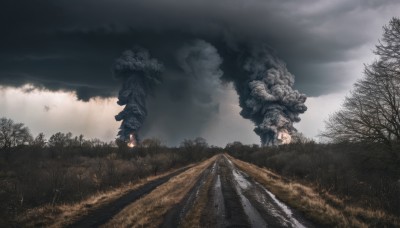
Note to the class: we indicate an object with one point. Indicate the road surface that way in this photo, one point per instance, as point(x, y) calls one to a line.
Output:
point(230, 197)
point(235, 200)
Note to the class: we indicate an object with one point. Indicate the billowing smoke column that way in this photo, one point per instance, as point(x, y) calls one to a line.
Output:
point(267, 96)
point(262, 81)
point(139, 74)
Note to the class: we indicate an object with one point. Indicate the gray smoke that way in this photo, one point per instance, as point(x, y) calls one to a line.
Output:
point(139, 74)
point(267, 96)
point(189, 98)
point(261, 79)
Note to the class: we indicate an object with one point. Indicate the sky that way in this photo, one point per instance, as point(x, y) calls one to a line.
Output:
point(56, 60)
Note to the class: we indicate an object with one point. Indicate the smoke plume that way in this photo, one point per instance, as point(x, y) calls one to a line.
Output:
point(261, 79)
point(267, 96)
point(139, 74)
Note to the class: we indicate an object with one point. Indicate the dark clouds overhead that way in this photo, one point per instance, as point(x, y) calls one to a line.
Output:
point(70, 45)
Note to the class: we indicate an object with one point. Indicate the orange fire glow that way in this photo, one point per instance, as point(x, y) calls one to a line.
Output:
point(284, 137)
point(132, 141)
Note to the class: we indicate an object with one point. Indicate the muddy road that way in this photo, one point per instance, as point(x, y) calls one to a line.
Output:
point(234, 199)
point(222, 196)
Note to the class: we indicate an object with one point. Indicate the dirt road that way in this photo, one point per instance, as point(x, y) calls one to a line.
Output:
point(223, 196)
point(235, 200)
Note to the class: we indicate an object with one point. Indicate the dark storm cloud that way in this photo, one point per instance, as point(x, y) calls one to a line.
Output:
point(189, 96)
point(70, 44)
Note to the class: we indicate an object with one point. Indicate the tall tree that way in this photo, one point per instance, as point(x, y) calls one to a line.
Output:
point(372, 110)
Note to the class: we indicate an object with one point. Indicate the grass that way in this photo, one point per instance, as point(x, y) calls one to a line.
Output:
point(62, 215)
point(150, 210)
point(323, 208)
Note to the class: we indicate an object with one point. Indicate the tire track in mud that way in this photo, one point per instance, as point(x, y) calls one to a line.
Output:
point(215, 216)
point(101, 215)
point(235, 215)
point(176, 214)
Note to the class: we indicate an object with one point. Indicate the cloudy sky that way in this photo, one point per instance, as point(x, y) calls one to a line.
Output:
point(56, 59)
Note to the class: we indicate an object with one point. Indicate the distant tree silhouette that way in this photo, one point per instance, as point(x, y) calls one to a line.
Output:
point(40, 140)
point(57, 140)
point(13, 134)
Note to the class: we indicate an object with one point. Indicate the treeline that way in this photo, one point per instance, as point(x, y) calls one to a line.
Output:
point(364, 174)
point(67, 168)
point(17, 134)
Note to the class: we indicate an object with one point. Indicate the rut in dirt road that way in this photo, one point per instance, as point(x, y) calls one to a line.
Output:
point(175, 215)
point(235, 200)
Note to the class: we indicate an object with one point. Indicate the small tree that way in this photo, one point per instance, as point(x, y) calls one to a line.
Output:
point(40, 140)
point(372, 110)
point(13, 134)
point(59, 140)
point(300, 138)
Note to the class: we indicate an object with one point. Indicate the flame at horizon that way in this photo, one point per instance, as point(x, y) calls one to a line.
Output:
point(132, 141)
point(284, 137)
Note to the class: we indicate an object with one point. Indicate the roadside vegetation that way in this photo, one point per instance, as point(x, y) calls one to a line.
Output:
point(320, 206)
point(349, 183)
point(38, 176)
point(359, 174)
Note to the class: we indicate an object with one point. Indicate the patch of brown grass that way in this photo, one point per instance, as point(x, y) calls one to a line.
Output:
point(62, 215)
point(150, 210)
point(324, 208)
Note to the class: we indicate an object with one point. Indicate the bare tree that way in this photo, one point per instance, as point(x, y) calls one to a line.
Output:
point(13, 134)
point(61, 140)
point(372, 110)
point(39, 141)
point(300, 138)
point(389, 47)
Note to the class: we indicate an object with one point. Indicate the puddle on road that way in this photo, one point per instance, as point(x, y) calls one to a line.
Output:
point(230, 162)
point(241, 185)
point(275, 207)
point(213, 167)
point(284, 208)
point(241, 180)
